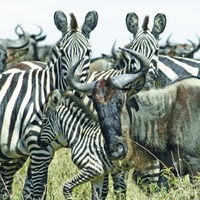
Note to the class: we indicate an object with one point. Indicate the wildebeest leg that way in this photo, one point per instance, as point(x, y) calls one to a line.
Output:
point(120, 184)
point(193, 165)
point(7, 171)
point(84, 175)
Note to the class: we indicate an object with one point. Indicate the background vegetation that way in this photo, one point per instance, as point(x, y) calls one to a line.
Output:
point(62, 169)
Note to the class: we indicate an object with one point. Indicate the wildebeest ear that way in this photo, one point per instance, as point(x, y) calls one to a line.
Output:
point(132, 23)
point(159, 24)
point(91, 20)
point(60, 21)
point(133, 103)
point(136, 86)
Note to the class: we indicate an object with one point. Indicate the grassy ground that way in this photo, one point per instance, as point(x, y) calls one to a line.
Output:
point(62, 169)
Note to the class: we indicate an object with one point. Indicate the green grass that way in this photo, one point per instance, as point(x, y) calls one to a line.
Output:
point(62, 169)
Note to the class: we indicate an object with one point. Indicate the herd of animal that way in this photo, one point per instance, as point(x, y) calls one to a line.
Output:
point(136, 108)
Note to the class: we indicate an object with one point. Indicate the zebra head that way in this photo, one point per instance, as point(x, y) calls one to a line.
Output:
point(74, 43)
point(102, 91)
point(144, 40)
point(51, 127)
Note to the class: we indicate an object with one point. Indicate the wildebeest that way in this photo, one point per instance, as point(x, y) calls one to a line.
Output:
point(165, 121)
point(35, 52)
point(12, 50)
point(181, 50)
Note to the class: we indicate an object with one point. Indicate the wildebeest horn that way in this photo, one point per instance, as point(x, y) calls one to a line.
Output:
point(117, 81)
point(34, 36)
point(121, 81)
point(113, 51)
point(19, 43)
point(81, 87)
point(195, 47)
point(168, 43)
point(144, 62)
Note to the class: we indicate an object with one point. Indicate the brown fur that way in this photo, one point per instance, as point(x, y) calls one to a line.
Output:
point(103, 96)
point(137, 157)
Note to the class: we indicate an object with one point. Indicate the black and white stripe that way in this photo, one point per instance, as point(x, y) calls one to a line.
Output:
point(23, 96)
point(69, 122)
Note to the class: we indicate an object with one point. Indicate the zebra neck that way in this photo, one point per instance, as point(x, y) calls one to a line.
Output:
point(81, 102)
point(55, 72)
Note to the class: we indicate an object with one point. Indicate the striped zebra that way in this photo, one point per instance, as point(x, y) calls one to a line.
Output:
point(70, 122)
point(23, 97)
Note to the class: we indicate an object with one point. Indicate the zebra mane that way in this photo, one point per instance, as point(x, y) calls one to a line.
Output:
point(74, 24)
point(145, 23)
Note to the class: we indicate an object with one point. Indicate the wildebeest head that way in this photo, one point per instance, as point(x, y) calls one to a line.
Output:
point(109, 98)
point(12, 50)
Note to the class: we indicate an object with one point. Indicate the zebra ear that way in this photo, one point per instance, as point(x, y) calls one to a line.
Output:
point(60, 21)
point(159, 24)
point(91, 20)
point(55, 99)
point(132, 23)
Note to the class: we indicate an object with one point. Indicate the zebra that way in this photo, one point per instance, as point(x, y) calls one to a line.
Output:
point(71, 123)
point(23, 98)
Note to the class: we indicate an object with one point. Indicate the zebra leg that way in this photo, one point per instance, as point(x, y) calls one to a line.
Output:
point(120, 184)
point(39, 164)
point(28, 186)
point(7, 171)
point(145, 178)
point(163, 181)
point(85, 174)
point(100, 188)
